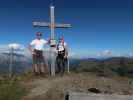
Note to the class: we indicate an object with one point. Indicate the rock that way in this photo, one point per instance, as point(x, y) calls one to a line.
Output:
point(94, 90)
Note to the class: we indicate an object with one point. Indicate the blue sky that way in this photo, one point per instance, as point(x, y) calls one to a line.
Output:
point(98, 25)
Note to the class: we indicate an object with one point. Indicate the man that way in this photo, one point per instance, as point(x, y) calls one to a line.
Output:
point(61, 59)
point(36, 47)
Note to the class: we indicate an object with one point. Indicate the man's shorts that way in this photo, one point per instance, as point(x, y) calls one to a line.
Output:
point(38, 57)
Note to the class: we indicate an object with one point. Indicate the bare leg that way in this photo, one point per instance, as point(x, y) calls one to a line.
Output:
point(36, 68)
point(42, 68)
point(39, 68)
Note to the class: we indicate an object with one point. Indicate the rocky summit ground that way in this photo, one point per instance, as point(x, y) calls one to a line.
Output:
point(55, 88)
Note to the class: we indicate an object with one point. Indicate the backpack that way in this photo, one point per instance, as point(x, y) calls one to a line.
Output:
point(61, 52)
point(62, 45)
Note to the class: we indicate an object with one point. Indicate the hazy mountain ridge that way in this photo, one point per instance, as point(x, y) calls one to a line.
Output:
point(111, 66)
point(20, 62)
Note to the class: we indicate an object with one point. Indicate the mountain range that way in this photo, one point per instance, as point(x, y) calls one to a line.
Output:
point(23, 62)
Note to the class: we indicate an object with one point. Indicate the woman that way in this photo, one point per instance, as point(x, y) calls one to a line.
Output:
point(62, 55)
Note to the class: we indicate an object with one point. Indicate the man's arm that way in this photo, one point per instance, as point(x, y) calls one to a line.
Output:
point(46, 42)
point(30, 46)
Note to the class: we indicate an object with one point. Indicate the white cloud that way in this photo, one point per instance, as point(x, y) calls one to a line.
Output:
point(105, 53)
point(5, 48)
point(15, 46)
point(130, 54)
point(71, 54)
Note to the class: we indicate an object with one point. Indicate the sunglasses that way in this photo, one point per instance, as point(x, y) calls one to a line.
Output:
point(39, 35)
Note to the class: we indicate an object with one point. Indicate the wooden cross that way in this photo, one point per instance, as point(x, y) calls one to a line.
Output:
point(52, 25)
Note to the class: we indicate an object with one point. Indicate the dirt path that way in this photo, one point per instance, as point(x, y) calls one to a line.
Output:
point(55, 88)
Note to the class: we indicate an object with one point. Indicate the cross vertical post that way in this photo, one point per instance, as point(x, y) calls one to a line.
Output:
point(52, 26)
point(52, 41)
